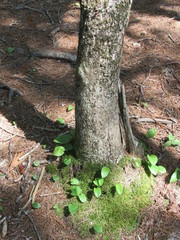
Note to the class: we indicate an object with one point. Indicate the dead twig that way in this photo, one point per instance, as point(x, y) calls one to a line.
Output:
point(31, 151)
point(172, 39)
point(28, 201)
point(4, 228)
point(2, 220)
point(156, 120)
point(50, 194)
point(47, 129)
point(37, 185)
point(33, 223)
point(20, 7)
point(15, 134)
point(141, 85)
point(55, 54)
point(49, 15)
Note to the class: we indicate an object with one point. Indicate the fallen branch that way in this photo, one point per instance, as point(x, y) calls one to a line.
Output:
point(49, 15)
point(34, 225)
point(55, 54)
point(37, 185)
point(20, 7)
point(156, 120)
point(15, 134)
point(48, 129)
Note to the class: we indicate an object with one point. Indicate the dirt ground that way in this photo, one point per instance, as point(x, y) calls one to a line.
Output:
point(35, 92)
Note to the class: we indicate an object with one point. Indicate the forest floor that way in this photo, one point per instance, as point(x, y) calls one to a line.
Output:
point(35, 92)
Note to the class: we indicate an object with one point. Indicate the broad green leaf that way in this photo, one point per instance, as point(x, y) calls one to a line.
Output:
point(168, 143)
point(36, 205)
point(98, 182)
point(97, 192)
point(176, 142)
point(97, 229)
point(36, 163)
point(104, 172)
point(1, 208)
point(74, 181)
point(175, 176)
point(151, 133)
point(70, 107)
point(55, 206)
point(152, 159)
point(10, 49)
point(153, 169)
point(44, 146)
point(76, 191)
point(67, 160)
point(68, 147)
point(82, 197)
point(161, 169)
point(171, 137)
point(61, 121)
point(119, 188)
point(55, 178)
point(58, 151)
point(34, 177)
point(73, 208)
point(2, 175)
point(63, 139)
point(73, 132)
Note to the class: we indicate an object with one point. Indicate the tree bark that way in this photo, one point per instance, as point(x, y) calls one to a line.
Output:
point(100, 132)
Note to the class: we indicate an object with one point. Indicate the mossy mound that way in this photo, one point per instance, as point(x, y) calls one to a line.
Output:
point(114, 213)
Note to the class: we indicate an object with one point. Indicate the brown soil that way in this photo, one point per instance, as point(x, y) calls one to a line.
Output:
point(43, 88)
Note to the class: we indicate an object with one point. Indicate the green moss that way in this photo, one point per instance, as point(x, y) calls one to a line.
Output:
point(52, 168)
point(113, 212)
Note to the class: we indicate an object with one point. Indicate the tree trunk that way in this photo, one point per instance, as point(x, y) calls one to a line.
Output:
point(100, 131)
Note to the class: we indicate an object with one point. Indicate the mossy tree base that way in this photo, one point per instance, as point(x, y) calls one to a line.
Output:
point(114, 213)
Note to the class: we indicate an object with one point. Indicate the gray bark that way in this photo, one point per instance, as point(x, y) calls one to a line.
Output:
point(100, 133)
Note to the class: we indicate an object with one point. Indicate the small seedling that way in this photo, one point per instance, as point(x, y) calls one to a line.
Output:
point(36, 205)
point(55, 207)
point(58, 151)
point(10, 49)
point(154, 169)
point(74, 181)
point(68, 147)
point(44, 146)
point(2, 175)
point(172, 141)
point(97, 192)
point(175, 176)
point(151, 133)
point(73, 208)
point(77, 5)
point(104, 172)
point(119, 188)
point(82, 197)
point(34, 177)
point(76, 191)
point(67, 160)
point(61, 121)
point(97, 229)
point(15, 124)
point(36, 163)
point(70, 107)
point(98, 182)
point(55, 178)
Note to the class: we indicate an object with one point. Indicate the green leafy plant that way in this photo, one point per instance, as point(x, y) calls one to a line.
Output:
point(36, 163)
point(67, 160)
point(61, 121)
point(10, 49)
point(55, 207)
point(63, 138)
point(55, 178)
point(73, 208)
point(104, 172)
point(2, 174)
point(34, 177)
point(151, 133)
point(97, 229)
point(154, 169)
point(74, 181)
point(98, 182)
point(70, 107)
point(36, 205)
point(171, 141)
point(82, 197)
point(1, 208)
point(58, 151)
point(76, 191)
point(97, 192)
point(175, 176)
point(119, 188)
